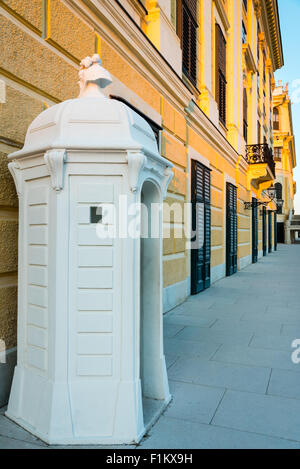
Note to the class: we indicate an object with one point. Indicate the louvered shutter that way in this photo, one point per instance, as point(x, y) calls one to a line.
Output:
point(217, 35)
point(221, 73)
point(201, 225)
point(275, 232)
point(270, 230)
point(187, 29)
point(207, 240)
point(264, 221)
point(254, 231)
point(231, 229)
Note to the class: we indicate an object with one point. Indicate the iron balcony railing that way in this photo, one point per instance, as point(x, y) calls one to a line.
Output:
point(260, 153)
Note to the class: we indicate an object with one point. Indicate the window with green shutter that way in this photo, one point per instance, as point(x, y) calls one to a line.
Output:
point(187, 28)
point(221, 74)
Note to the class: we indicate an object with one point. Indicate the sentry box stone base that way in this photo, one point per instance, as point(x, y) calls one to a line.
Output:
point(91, 367)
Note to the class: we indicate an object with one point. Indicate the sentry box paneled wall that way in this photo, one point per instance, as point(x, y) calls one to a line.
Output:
point(91, 366)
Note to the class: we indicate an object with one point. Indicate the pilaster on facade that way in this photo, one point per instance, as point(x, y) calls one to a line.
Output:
point(235, 77)
point(206, 82)
point(162, 32)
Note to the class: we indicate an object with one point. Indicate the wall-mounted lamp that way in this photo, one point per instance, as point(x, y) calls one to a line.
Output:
point(279, 203)
point(271, 193)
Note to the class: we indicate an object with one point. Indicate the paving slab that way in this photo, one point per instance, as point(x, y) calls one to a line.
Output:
point(246, 325)
point(193, 402)
point(255, 357)
point(275, 342)
point(290, 309)
point(172, 329)
point(11, 443)
point(219, 337)
point(278, 317)
point(224, 375)
point(266, 415)
point(186, 348)
point(184, 320)
point(170, 433)
point(291, 330)
point(285, 383)
point(9, 429)
point(170, 360)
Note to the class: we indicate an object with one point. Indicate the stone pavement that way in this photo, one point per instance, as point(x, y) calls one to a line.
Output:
point(228, 351)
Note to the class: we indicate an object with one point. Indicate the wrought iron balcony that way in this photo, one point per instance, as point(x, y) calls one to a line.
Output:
point(259, 154)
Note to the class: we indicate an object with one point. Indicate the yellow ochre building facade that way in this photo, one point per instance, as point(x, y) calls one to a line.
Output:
point(285, 158)
point(202, 74)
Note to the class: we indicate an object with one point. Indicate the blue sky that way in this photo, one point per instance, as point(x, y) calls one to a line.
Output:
point(289, 12)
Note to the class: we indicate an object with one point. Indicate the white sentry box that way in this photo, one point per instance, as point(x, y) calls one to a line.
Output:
point(91, 367)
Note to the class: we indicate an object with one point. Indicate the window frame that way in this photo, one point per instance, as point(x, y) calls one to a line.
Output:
point(278, 153)
point(187, 14)
point(276, 119)
point(220, 73)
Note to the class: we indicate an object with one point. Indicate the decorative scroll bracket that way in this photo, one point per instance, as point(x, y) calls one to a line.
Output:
point(136, 163)
point(55, 160)
point(168, 176)
point(15, 171)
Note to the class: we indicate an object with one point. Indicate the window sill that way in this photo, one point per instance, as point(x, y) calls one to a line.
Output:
point(223, 126)
point(193, 89)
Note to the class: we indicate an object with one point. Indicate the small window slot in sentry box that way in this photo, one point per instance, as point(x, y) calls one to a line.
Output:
point(95, 214)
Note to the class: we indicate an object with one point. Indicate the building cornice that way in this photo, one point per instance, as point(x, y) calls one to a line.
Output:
point(211, 135)
point(270, 14)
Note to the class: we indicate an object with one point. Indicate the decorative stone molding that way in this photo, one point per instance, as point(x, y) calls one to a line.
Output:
point(162, 33)
point(55, 160)
point(15, 170)
point(136, 163)
point(168, 176)
point(263, 187)
point(262, 39)
point(259, 176)
point(269, 65)
point(249, 59)
point(257, 8)
point(223, 15)
point(139, 163)
point(93, 77)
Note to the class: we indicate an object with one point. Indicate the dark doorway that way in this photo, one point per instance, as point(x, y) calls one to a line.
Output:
point(270, 230)
point(152, 385)
point(264, 230)
point(275, 231)
point(201, 226)
point(280, 232)
point(254, 231)
point(231, 229)
point(279, 192)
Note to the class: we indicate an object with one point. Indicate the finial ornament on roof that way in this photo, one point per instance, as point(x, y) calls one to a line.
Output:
point(93, 77)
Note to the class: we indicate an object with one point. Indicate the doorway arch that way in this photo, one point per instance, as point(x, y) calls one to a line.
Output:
point(152, 362)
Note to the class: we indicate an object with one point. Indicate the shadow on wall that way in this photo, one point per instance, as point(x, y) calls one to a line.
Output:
point(8, 361)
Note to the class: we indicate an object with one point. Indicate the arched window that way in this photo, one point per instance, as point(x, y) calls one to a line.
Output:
point(276, 119)
point(278, 187)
